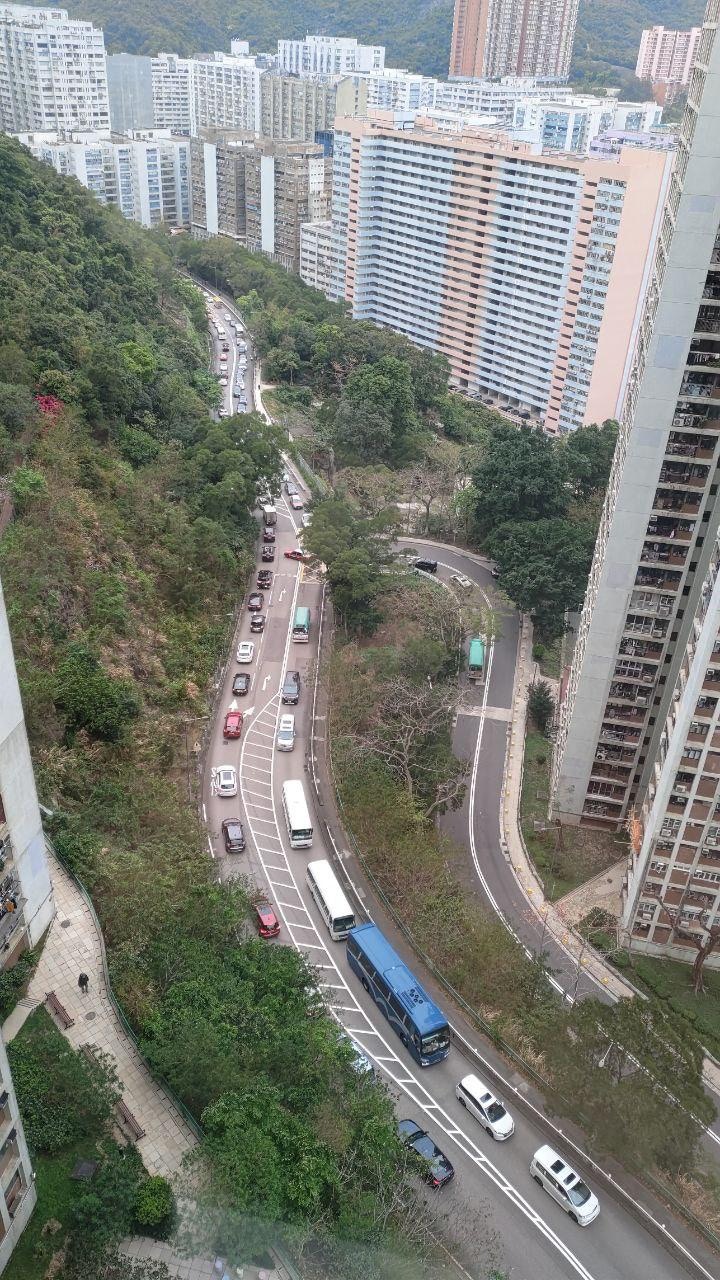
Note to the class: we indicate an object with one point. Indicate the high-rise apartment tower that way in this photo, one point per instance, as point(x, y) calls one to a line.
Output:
point(52, 71)
point(513, 38)
point(639, 736)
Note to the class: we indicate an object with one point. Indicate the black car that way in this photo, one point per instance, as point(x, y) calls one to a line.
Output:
point(257, 622)
point(494, 572)
point(264, 579)
point(256, 601)
point(291, 688)
point(233, 835)
point(241, 683)
point(439, 1170)
point(269, 533)
point(427, 566)
point(267, 553)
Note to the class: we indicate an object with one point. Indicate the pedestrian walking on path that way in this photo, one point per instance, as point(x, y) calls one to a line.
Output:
point(84, 983)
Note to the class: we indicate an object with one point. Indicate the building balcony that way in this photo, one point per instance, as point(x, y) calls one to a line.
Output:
point(9, 1156)
point(637, 672)
point(700, 388)
point(15, 1193)
point(611, 772)
point(610, 733)
point(712, 291)
point(657, 580)
point(614, 755)
point(706, 788)
point(701, 447)
point(676, 806)
point(679, 503)
point(670, 530)
point(634, 694)
point(627, 715)
point(674, 473)
point(654, 553)
point(645, 649)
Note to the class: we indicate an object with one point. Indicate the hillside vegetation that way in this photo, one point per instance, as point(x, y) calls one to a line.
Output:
point(416, 33)
point(130, 545)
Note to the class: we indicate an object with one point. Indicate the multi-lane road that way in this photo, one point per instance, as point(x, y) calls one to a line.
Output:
point(493, 1212)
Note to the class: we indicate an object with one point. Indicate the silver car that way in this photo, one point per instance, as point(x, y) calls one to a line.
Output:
point(285, 737)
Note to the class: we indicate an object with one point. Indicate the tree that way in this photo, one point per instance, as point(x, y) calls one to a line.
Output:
point(541, 704)
point(361, 433)
point(356, 553)
point(17, 408)
point(521, 477)
point(26, 486)
point(588, 454)
point(705, 942)
point(544, 568)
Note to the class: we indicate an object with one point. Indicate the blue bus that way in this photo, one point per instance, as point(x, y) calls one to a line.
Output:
point(419, 1023)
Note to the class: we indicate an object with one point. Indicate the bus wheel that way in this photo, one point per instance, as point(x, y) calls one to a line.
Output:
point(365, 983)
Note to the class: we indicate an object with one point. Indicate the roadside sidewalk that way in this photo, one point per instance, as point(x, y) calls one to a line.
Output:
point(73, 946)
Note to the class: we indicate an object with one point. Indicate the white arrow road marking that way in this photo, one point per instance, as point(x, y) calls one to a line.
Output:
point(265, 683)
point(233, 705)
point(282, 593)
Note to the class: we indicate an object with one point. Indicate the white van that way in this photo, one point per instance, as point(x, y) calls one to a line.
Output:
point(285, 737)
point(565, 1186)
point(476, 1098)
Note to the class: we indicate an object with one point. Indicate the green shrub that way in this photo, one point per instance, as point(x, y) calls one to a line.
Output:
point(63, 1096)
point(12, 981)
point(90, 698)
point(26, 485)
point(155, 1207)
point(106, 1212)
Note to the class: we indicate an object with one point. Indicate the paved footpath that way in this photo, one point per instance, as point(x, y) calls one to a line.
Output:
point(72, 947)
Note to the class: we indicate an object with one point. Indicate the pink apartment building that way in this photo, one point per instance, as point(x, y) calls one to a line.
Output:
point(527, 270)
point(665, 57)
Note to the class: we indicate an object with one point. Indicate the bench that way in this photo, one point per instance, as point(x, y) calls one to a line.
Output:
point(128, 1121)
point(55, 1006)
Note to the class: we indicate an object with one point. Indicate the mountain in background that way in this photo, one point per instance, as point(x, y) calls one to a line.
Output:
point(416, 33)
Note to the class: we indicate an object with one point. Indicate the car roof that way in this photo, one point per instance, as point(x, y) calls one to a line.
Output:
point(227, 769)
point(287, 718)
point(478, 1088)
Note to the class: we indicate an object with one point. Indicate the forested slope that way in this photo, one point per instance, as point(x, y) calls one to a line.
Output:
point(416, 33)
point(128, 549)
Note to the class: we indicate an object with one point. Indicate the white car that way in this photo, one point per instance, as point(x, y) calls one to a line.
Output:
point(306, 519)
point(473, 1094)
point(296, 502)
point(245, 651)
point(226, 780)
point(223, 382)
point(285, 737)
point(227, 316)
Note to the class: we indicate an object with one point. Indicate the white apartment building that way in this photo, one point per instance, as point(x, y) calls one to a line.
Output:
point(329, 56)
point(225, 93)
point(507, 261)
point(52, 71)
point(573, 123)
point(401, 90)
point(316, 254)
point(146, 175)
point(666, 57)
point(17, 1186)
point(496, 98)
point(172, 93)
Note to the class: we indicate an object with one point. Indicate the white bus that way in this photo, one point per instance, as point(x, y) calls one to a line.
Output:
point(331, 901)
point(297, 815)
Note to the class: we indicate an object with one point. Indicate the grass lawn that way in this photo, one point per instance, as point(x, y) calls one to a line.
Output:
point(670, 980)
point(582, 852)
point(549, 659)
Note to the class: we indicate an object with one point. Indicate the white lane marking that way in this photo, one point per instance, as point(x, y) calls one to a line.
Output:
point(265, 683)
point(396, 1070)
point(204, 813)
point(210, 846)
point(282, 593)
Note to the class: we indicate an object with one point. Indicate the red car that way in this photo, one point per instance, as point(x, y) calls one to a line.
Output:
point(267, 922)
point(297, 554)
point(233, 724)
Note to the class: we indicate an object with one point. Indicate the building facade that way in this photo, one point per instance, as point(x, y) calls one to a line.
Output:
point(24, 881)
point(146, 174)
point(493, 38)
point(497, 98)
point(130, 88)
point(571, 125)
point(225, 93)
point(316, 254)
point(172, 93)
point(52, 71)
point(639, 737)
point(328, 56)
point(285, 186)
point(401, 90)
point(665, 57)
point(506, 261)
point(294, 109)
point(217, 188)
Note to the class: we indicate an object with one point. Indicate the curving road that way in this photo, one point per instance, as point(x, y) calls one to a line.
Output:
point(493, 1212)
